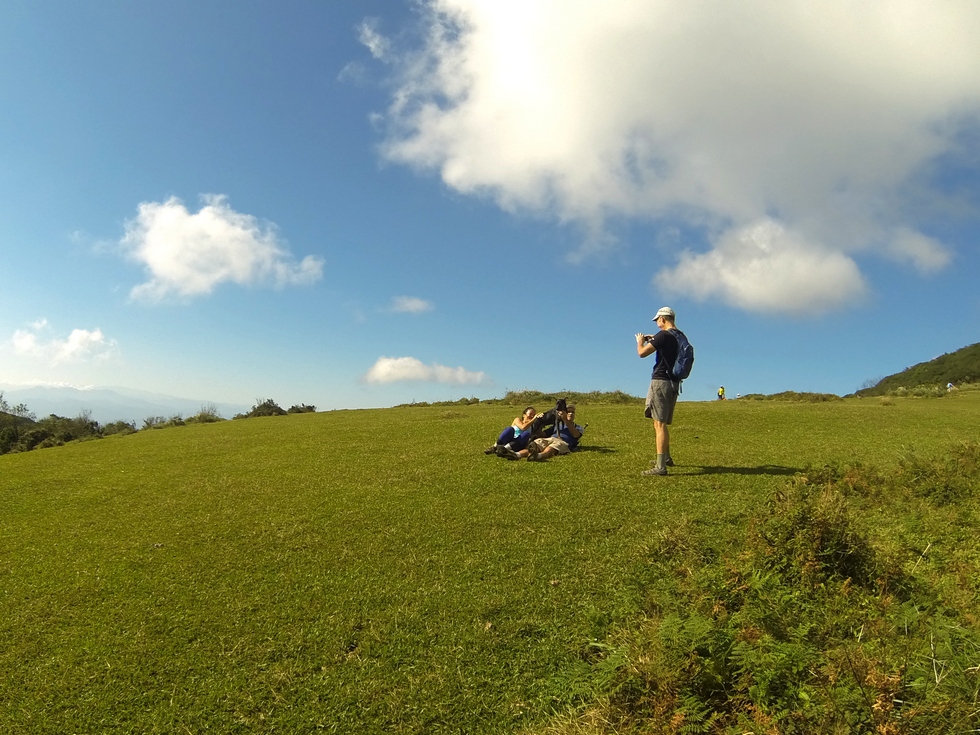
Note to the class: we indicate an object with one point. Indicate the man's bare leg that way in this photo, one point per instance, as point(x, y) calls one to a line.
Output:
point(663, 443)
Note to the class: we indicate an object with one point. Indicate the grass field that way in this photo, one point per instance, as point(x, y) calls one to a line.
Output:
point(373, 572)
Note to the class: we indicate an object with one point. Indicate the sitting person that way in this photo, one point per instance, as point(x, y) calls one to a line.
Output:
point(529, 425)
point(512, 434)
point(564, 438)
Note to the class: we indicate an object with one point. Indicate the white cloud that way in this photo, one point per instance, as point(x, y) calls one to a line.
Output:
point(764, 268)
point(924, 253)
point(190, 254)
point(81, 345)
point(410, 305)
point(812, 115)
point(25, 343)
point(406, 369)
point(378, 45)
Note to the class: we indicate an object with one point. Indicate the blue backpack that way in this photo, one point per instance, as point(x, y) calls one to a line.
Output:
point(685, 356)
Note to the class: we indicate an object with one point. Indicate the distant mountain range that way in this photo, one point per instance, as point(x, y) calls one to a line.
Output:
point(962, 366)
point(109, 404)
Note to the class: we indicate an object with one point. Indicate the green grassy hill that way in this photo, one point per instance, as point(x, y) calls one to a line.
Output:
point(960, 367)
point(374, 572)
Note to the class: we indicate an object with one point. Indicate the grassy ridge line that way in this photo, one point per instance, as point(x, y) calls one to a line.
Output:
point(365, 571)
point(959, 367)
point(539, 399)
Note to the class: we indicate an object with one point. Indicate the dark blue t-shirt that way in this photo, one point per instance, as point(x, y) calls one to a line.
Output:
point(666, 346)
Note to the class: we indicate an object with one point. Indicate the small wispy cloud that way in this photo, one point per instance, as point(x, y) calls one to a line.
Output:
point(410, 305)
point(190, 254)
point(81, 345)
point(410, 369)
point(925, 254)
point(378, 45)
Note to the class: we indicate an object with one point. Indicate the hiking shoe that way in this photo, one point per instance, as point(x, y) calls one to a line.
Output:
point(655, 472)
point(492, 449)
point(669, 462)
point(536, 458)
point(507, 453)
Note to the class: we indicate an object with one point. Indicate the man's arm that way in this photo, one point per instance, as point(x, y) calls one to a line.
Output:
point(644, 348)
point(572, 428)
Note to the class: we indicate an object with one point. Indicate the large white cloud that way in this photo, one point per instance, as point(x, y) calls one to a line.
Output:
point(81, 345)
point(190, 254)
point(410, 369)
point(811, 116)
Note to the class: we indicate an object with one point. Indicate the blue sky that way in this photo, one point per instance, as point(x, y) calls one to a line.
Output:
point(358, 204)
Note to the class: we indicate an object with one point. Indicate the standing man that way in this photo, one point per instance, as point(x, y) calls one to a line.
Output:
point(662, 395)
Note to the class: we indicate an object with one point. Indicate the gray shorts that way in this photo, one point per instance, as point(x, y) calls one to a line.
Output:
point(661, 399)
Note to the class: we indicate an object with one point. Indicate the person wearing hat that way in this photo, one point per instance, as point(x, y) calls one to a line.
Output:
point(662, 395)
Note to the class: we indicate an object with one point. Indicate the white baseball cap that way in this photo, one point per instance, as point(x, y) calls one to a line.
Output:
point(665, 311)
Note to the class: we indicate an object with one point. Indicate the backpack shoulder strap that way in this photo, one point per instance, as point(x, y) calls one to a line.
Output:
point(678, 335)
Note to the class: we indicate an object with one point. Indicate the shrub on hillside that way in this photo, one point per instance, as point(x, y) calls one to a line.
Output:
point(207, 415)
point(919, 391)
point(546, 400)
point(946, 479)
point(810, 626)
point(22, 431)
point(8, 438)
point(66, 430)
point(26, 433)
point(13, 421)
point(34, 437)
point(119, 427)
point(159, 422)
point(809, 539)
point(266, 407)
point(792, 396)
point(301, 408)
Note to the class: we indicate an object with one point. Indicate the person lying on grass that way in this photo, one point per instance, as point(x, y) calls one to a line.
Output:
point(563, 439)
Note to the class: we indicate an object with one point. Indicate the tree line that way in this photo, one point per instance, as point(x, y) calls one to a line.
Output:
point(21, 430)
